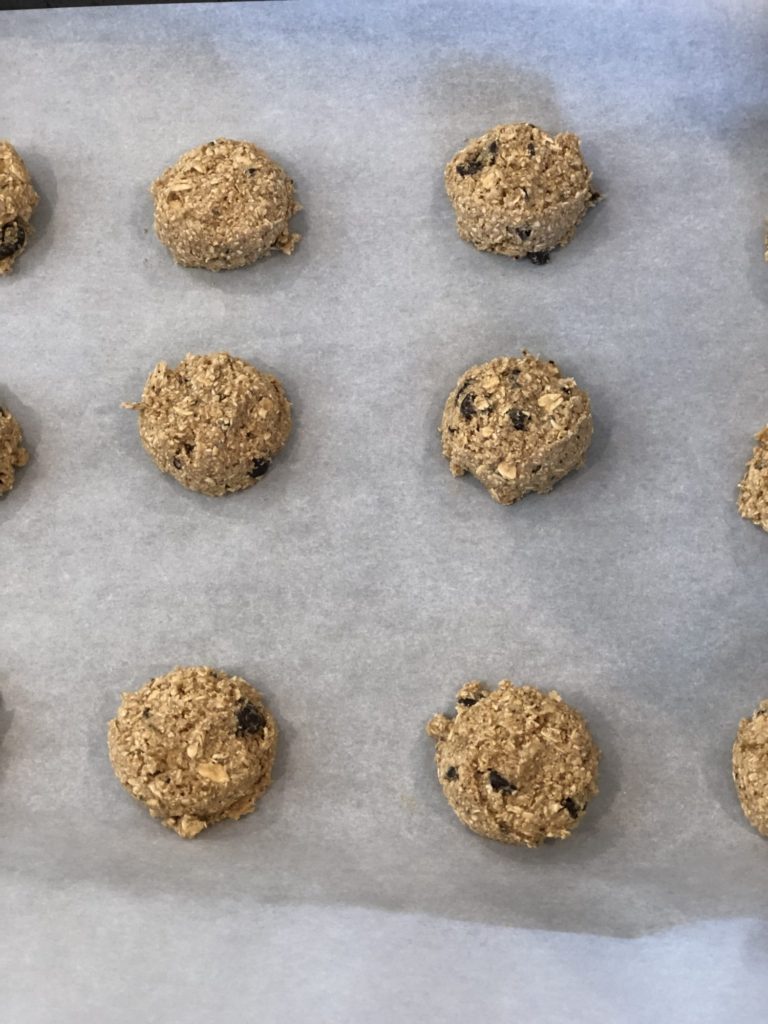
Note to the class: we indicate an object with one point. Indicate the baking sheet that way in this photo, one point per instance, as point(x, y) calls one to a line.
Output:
point(361, 585)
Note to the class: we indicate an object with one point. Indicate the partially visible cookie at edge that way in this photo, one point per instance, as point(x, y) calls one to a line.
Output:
point(753, 489)
point(750, 767)
point(516, 764)
point(224, 205)
point(518, 191)
point(214, 422)
point(516, 424)
point(195, 746)
point(18, 200)
point(13, 455)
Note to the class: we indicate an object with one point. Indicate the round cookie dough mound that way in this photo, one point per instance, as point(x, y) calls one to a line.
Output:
point(224, 205)
point(753, 489)
point(517, 425)
point(18, 199)
point(515, 764)
point(12, 453)
point(750, 767)
point(518, 191)
point(196, 746)
point(214, 422)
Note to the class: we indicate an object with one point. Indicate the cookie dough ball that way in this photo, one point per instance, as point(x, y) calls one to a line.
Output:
point(12, 453)
point(518, 191)
point(224, 205)
point(517, 425)
point(196, 746)
point(214, 422)
point(515, 764)
point(17, 201)
point(750, 767)
point(753, 489)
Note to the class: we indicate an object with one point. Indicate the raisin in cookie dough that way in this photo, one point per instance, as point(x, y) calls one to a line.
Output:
point(517, 425)
point(515, 764)
point(18, 200)
point(12, 452)
point(750, 767)
point(214, 422)
point(753, 489)
point(224, 205)
point(518, 191)
point(196, 746)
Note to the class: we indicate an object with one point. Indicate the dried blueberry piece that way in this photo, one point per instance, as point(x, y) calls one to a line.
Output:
point(493, 147)
point(594, 197)
point(176, 462)
point(12, 238)
point(524, 233)
point(452, 774)
point(251, 171)
point(145, 713)
point(470, 167)
point(259, 468)
point(531, 149)
point(519, 418)
point(501, 785)
point(539, 258)
point(571, 806)
point(467, 407)
point(188, 448)
point(467, 702)
point(535, 469)
point(249, 719)
point(567, 391)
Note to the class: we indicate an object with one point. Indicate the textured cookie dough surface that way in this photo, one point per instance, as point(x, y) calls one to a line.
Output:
point(224, 205)
point(515, 764)
point(18, 200)
point(196, 746)
point(753, 489)
point(214, 422)
point(750, 767)
point(12, 452)
point(517, 425)
point(518, 191)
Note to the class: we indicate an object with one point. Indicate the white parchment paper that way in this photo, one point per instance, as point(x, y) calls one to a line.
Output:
point(360, 585)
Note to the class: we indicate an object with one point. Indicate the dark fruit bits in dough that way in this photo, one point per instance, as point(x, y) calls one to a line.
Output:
point(259, 468)
point(519, 418)
point(452, 774)
point(538, 258)
point(249, 719)
point(470, 167)
point(12, 239)
point(571, 806)
point(467, 407)
point(524, 233)
point(467, 702)
point(501, 785)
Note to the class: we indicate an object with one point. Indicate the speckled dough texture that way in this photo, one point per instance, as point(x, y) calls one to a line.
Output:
point(518, 191)
point(517, 424)
point(18, 200)
point(753, 489)
point(515, 764)
point(750, 767)
point(196, 746)
point(224, 205)
point(214, 422)
point(12, 453)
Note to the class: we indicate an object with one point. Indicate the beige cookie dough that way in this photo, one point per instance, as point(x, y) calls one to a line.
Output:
point(515, 764)
point(18, 200)
point(753, 489)
point(224, 205)
point(750, 767)
point(196, 746)
point(12, 452)
point(518, 191)
point(214, 422)
point(518, 425)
